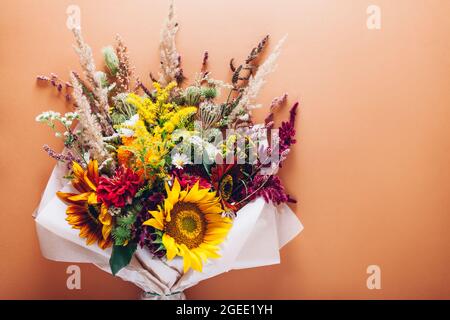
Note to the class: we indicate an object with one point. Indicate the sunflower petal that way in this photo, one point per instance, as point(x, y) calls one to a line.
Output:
point(64, 196)
point(212, 209)
point(186, 258)
point(171, 247)
point(191, 194)
point(215, 218)
point(88, 182)
point(76, 209)
point(93, 171)
point(103, 244)
point(216, 231)
point(106, 231)
point(168, 206)
point(196, 262)
point(220, 225)
point(209, 250)
point(175, 192)
point(92, 199)
point(197, 196)
point(201, 254)
point(158, 215)
point(154, 223)
point(82, 197)
point(77, 170)
point(104, 217)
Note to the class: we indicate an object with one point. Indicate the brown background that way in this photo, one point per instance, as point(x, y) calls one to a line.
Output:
point(371, 169)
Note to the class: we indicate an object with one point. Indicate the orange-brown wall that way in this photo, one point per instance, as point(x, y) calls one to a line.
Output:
point(371, 170)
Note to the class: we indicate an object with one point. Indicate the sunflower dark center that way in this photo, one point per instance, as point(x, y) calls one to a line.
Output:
point(93, 212)
point(226, 187)
point(187, 225)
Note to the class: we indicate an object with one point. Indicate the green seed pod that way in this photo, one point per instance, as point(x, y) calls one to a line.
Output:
point(111, 60)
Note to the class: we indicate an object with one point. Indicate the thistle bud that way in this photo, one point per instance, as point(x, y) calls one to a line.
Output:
point(111, 60)
point(193, 95)
point(209, 92)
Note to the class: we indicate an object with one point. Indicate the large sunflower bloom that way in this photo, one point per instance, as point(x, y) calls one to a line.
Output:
point(192, 224)
point(84, 211)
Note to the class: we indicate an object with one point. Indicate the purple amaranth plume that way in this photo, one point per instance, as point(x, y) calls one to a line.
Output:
point(287, 130)
point(268, 187)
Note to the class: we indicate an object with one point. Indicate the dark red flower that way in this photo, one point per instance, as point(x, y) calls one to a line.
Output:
point(188, 180)
point(119, 190)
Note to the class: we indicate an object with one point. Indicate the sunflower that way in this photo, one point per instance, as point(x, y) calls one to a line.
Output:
point(192, 224)
point(225, 179)
point(84, 211)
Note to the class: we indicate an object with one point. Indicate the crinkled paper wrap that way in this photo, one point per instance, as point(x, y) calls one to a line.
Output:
point(258, 233)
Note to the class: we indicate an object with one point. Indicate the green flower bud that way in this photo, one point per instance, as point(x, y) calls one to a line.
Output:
point(111, 60)
point(209, 92)
point(193, 95)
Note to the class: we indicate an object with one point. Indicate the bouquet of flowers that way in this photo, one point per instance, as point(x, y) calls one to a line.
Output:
point(168, 184)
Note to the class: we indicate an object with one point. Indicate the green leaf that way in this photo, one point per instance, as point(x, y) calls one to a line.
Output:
point(141, 191)
point(121, 256)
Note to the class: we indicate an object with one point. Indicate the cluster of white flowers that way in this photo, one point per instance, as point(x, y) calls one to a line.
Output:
point(51, 118)
point(48, 116)
point(66, 119)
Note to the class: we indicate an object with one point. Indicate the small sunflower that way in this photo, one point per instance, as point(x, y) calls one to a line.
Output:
point(84, 211)
point(192, 224)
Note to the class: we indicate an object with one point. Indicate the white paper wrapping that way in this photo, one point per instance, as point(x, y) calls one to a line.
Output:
point(257, 234)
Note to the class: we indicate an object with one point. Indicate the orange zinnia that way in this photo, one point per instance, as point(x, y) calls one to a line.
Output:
point(84, 211)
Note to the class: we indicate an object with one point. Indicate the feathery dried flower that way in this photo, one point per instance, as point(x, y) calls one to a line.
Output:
point(276, 103)
point(91, 128)
point(125, 70)
point(169, 56)
point(100, 93)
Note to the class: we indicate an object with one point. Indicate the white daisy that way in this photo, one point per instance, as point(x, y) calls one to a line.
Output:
point(179, 160)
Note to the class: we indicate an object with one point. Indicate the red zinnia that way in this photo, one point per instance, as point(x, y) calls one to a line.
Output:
point(119, 190)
